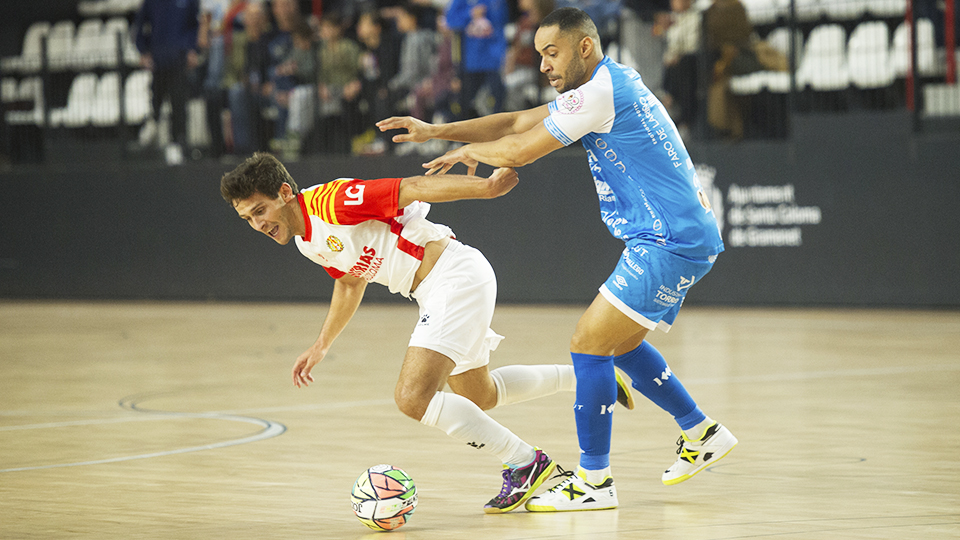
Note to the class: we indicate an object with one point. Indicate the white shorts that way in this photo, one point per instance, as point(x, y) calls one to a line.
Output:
point(456, 301)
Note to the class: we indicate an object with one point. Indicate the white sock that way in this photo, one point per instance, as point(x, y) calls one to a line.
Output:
point(461, 419)
point(594, 477)
point(696, 431)
point(525, 382)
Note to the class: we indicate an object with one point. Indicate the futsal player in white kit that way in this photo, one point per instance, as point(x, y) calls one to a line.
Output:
point(364, 231)
point(650, 197)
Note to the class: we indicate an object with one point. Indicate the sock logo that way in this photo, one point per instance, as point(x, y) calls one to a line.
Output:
point(663, 376)
point(475, 445)
point(604, 409)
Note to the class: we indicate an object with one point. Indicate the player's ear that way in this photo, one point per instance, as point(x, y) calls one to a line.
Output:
point(586, 47)
point(286, 193)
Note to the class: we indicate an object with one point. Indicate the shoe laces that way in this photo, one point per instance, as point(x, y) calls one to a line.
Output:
point(680, 442)
point(566, 475)
point(507, 488)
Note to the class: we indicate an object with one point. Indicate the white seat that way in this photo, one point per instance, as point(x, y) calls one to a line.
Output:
point(824, 64)
point(60, 44)
point(926, 51)
point(136, 96)
point(108, 43)
point(29, 59)
point(8, 90)
point(761, 11)
point(941, 100)
point(106, 104)
point(839, 10)
point(779, 39)
point(749, 84)
point(868, 55)
point(80, 100)
point(887, 8)
point(86, 45)
point(777, 82)
point(809, 10)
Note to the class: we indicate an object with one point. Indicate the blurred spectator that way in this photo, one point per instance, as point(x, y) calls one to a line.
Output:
point(483, 47)
point(680, 64)
point(643, 27)
point(286, 15)
point(434, 97)
point(295, 108)
point(339, 86)
point(417, 53)
point(522, 76)
point(211, 45)
point(245, 78)
point(379, 61)
point(165, 33)
point(728, 41)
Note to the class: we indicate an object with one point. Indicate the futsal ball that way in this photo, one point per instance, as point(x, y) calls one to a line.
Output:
point(384, 497)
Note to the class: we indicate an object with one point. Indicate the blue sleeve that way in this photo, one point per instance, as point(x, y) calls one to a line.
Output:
point(458, 15)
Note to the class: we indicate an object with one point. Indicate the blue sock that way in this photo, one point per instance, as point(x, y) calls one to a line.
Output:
point(596, 397)
point(652, 378)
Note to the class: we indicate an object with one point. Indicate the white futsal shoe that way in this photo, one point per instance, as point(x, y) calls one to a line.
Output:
point(695, 456)
point(575, 493)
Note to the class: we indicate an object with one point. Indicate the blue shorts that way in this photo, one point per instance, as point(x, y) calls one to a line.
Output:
point(649, 284)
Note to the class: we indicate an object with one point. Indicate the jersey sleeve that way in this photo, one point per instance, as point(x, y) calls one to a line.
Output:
point(334, 273)
point(351, 201)
point(582, 110)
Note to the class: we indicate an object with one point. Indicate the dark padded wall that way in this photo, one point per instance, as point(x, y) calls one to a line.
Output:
point(858, 211)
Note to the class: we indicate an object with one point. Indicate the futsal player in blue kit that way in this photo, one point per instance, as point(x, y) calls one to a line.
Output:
point(651, 198)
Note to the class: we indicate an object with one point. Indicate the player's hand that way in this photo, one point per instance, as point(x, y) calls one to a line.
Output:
point(304, 365)
point(418, 131)
point(505, 179)
point(443, 163)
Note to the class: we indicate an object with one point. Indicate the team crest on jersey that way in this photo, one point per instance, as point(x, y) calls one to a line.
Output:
point(571, 102)
point(334, 244)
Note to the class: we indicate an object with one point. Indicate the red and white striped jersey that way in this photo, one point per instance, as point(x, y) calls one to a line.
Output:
point(354, 227)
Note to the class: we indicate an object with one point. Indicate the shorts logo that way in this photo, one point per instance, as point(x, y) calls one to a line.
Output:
point(620, 282)
point(685, 283)
point(571, 102)
point(334, 244)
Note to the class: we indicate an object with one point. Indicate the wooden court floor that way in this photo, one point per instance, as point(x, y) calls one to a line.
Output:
point(179, 420)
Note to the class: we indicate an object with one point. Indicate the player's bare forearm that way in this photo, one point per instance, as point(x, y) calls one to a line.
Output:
point(510, 151)
point(347, 295)
point(454, 187)
point(483, 129)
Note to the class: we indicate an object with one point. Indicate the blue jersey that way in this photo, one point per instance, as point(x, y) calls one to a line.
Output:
point(648, 188)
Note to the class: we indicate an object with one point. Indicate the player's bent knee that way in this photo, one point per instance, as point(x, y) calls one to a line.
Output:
point(412, 403)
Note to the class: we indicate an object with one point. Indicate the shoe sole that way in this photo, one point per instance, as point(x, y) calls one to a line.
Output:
point(535, 508)
point(625, 388)
point(686, 477)
point(533, 487)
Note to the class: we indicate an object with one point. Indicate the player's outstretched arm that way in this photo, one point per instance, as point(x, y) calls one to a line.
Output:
point(347, 295)
point(511, 151)
point(454, 187)
point(485, 128)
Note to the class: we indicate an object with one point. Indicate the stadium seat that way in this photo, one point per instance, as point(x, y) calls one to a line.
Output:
point(809, 10)
point(779, 39)
point(106, 104)
point(824, 64)
point(29, 59)
point(761, 11)
point(80, 100)
point(840, 10)
point(136, 96)
point(86, 52)
point(926, 51)
point(60, 43)
point(941, 100)
point(887, 8)
point(8, 89)
point(114, 26)
point(868, 55)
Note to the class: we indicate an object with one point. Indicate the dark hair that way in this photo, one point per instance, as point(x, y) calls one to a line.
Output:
point(260, 173)
point(571, 20)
